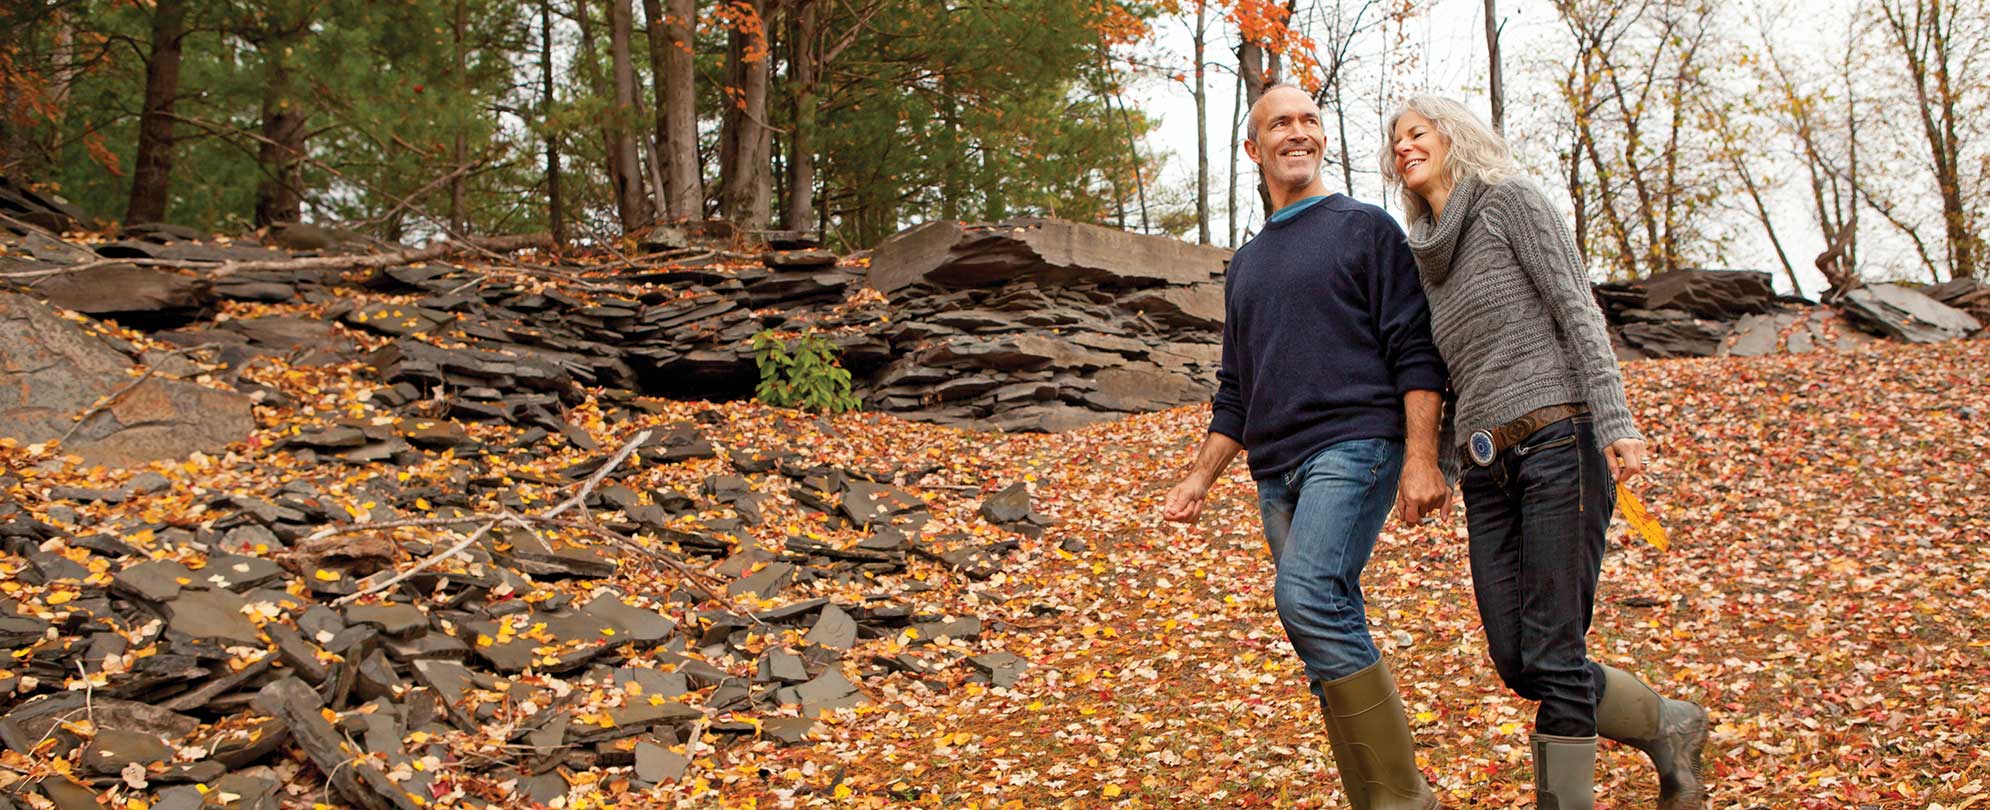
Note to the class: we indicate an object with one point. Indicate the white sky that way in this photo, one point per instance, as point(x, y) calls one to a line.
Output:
point(1450, 36)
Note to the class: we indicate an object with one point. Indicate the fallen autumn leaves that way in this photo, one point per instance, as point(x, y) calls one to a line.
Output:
point(1824, 596)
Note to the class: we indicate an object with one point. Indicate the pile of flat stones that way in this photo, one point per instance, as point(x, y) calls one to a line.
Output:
point(202, 657)
point(1036, 325)
point(1709, 313)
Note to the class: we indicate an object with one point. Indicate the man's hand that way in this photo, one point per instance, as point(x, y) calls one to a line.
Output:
point(1422, 492)
point(1627, 459)
point(1184, 503)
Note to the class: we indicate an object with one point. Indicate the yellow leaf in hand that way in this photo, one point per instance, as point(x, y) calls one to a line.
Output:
point(1640, 518)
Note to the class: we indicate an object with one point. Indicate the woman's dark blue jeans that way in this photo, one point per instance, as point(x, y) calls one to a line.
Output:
point(1538, 517)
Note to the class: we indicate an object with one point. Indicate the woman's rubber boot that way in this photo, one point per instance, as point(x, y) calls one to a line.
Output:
point(1564, 772)
point(1671, 732)
point(1375, 750)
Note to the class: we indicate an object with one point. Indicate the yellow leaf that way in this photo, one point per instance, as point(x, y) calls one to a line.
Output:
point(843, 791)
point(326, 576)
point(60, 597)
point(1111, 792)
point(1640, 519)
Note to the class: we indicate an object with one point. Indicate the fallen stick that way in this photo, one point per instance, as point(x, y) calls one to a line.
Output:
point(489, 523)
point(418, 567)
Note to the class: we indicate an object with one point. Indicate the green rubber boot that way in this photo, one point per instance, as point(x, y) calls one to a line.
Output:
point(1671, 732)
point(1375, 750)
point(1564, 772)
point(1350, 780)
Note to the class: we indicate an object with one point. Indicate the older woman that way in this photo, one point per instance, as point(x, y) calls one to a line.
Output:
point(1541, 407)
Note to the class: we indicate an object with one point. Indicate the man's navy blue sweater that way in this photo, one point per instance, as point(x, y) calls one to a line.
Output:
point(1324, 330)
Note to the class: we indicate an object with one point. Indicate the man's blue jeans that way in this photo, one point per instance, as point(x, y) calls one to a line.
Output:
point(1322, 518)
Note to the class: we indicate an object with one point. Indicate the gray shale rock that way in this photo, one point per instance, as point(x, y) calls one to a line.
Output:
point(51, 371)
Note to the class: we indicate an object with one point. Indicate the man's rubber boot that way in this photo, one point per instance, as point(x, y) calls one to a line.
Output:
point(1671, 732)
point(1350, 780)
point(1564, 772)
point(1365, 714)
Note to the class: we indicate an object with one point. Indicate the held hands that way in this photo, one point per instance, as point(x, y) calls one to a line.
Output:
point(1422, 493)
point(1627, 459)
point(1184, 502)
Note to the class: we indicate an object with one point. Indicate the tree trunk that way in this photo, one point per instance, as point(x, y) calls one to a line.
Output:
point(659, 40)
point(678, 107)
point(280, 194)
point(804, 54)
point(556, 214)
point(1250, 63)
point(1495, 87)
point(625, 167)
point(459, 148)
point(1346, 158)
point(1236, 127)
point(744, 156)
point(1201, 131)
point(152, 166)
point(1921, 33)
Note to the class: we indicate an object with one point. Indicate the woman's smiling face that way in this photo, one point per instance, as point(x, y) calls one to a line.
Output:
point(1420, 152)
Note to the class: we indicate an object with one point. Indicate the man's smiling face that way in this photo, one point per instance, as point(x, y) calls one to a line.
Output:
point(1290, 140)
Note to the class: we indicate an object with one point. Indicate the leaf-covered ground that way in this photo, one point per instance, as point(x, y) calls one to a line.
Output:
point(1827, 597)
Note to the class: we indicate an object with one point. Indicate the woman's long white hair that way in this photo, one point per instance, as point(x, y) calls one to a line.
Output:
point(1475, 151)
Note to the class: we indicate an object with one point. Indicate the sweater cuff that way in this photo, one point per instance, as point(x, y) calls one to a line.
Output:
point(1228, 424)
point(1422, 376)
point(1613, 422)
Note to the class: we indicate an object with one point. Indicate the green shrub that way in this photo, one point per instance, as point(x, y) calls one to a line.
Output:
point(805, 375)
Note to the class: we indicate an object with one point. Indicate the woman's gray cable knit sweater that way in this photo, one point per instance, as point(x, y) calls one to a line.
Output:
point(1512, 311)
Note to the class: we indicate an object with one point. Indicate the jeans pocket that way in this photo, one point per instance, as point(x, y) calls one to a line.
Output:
point(1546, 443)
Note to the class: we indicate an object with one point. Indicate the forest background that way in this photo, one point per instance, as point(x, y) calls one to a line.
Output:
point(1825, 141)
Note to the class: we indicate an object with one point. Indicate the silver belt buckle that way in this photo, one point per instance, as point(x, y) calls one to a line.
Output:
point(1481, 447)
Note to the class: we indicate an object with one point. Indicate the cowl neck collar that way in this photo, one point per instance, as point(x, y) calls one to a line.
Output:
point(1435, 243)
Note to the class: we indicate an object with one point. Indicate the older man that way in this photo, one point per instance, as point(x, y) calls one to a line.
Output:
point(1331, 379)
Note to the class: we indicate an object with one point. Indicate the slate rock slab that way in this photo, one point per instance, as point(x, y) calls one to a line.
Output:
point(125, 290)
point(1902, 313)
point(51, 371)
point(1010, 505)
point(354, 780)
point(631, 622)
point(1676, 337)
point(1001, 669)
point(788, 730)
point(656, 764)
point(212, 616)
point(945, 253)
point(833, 629)
point(1721, 295)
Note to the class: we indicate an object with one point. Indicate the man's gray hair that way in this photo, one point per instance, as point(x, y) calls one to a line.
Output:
point(1251, 117)
point(1475, 150)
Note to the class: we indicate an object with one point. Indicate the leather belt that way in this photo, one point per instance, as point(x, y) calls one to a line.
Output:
point(1485, 445)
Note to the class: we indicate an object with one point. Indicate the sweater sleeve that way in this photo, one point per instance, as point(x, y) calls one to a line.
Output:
point(1401, 314)
point(1534, 231)
point(1227, 412)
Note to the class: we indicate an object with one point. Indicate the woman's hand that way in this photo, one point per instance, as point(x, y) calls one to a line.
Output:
point(1627, 459)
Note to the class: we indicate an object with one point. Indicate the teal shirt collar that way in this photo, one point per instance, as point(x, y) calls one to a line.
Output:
point(1292, 209)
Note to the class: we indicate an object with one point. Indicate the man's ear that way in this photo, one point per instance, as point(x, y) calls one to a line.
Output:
point(1251, 149)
